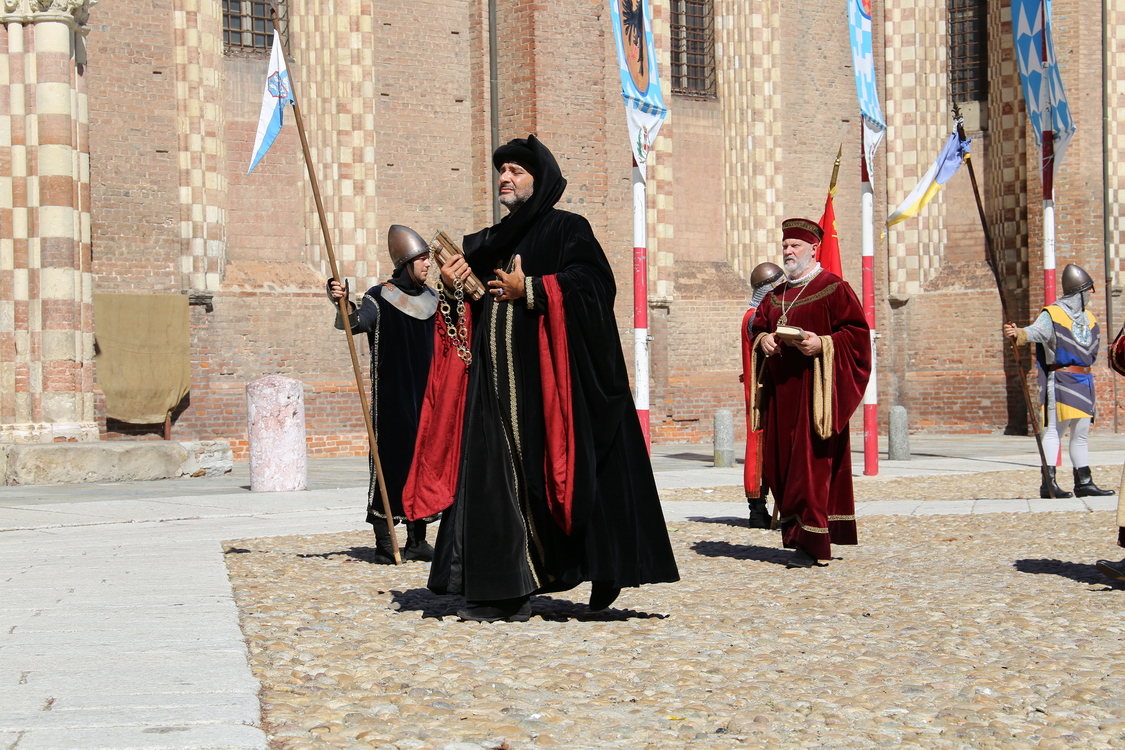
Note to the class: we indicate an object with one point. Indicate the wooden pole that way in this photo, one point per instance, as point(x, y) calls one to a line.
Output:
point(994, 265)
point(343, 302)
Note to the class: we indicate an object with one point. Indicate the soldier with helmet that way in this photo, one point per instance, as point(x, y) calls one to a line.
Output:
point(1066, 337)
point(763, 279)
point(398, 318)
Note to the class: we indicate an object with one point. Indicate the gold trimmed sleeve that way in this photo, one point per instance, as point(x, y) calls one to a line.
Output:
point(823, 367)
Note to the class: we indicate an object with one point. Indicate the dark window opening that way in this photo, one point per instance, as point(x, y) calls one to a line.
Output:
point(248, 27)
point(693, 48)
point(968, 50)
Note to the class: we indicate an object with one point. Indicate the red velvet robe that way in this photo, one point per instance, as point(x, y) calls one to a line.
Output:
point(811, 478)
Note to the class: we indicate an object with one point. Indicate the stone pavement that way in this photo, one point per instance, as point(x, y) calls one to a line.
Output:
point(118, 628)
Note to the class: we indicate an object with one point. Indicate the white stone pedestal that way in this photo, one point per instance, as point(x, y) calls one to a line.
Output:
point(275, 415)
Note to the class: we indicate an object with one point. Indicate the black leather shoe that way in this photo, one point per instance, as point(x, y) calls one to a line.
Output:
point(802, 559)
point(508, 610)
point(759, 516)
point(1084, 484)
point(417, 548)
point(421, 551)
point(1045, 489)
point(384, 555)
point(602, 594)
point(1114, 570)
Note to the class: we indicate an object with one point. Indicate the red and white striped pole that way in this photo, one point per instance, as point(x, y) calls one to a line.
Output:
point(871, 396)
point(640, 297)
point(1048, 173)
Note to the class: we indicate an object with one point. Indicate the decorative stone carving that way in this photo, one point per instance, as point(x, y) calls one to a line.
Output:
point(74, 13)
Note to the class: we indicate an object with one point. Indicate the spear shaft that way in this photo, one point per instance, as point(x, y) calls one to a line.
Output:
point(343, 301)
point(994, 265)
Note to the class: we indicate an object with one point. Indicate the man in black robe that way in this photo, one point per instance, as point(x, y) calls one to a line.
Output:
point(398, 318)
point(555, 485)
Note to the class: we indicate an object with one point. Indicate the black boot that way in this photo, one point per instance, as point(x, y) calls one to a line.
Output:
point(1045, 489)
point(417, 548)
point(1084, 484)
point(384, 553)
point(759, 516)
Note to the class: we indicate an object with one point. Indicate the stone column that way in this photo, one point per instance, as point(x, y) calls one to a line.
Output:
point(46, 303)
point(275, 415)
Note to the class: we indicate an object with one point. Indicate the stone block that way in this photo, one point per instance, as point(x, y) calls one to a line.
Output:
point(207, 458)
point(724, 439)
point(898, 436)
point(73, 463)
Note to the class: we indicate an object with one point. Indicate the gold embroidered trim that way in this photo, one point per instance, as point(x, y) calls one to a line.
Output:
point(810, 529)
point(841, 518)
point(823, 367)
point(529, 291)
point(755, 386)
point(818, 296)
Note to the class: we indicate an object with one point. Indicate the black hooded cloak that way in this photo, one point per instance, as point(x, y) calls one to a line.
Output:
point(499, 538)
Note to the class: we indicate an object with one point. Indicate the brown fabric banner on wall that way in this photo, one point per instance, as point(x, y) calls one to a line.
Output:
point(144, 354)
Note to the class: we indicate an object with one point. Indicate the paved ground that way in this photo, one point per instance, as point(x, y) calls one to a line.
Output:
point(119, 626)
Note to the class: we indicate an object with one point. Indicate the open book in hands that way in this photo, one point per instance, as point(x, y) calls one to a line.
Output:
point(791, 333)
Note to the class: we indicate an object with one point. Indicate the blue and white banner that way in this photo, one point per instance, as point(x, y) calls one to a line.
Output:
point(1047, 108)
point(278, 93)
point(640, 82)
point(863, 60)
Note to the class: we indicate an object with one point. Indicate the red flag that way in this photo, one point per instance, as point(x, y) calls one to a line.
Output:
point(828, 254)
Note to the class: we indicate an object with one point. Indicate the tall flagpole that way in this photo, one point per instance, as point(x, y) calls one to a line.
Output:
point(640, 297)
point(343, 301)
point(994, 266)
point(1048, 171)
point(871, 395)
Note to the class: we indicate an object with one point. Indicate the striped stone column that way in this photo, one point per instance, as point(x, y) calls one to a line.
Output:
point(46, 303)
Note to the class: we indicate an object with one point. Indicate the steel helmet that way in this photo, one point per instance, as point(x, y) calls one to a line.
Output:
point(766, 275)
point(1075, 280)
point(405, 245)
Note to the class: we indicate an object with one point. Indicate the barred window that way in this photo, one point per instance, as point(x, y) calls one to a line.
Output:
point(693, 48)
point(968, 50)
point(247, 26)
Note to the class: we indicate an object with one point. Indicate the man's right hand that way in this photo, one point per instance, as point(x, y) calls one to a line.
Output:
point(336, 289)
point(769, 345)
point(458, 268)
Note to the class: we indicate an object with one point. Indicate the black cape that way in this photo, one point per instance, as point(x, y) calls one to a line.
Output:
point(498, 540)
point(402, 348)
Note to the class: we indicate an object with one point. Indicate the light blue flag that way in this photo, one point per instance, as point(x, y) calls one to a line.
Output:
point(640, 81)
point(863, 60)
point(1047, 108)
point(278, 93)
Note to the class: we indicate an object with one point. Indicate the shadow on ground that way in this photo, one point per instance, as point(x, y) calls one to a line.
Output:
point(742, 552)
point(433, 606)
point(1081, 572)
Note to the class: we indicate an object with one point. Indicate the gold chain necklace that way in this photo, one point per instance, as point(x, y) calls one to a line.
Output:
point(784, 319)
point(456, 331)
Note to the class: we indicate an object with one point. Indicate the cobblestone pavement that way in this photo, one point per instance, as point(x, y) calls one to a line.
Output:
point(1018, 483)
point(954, 631)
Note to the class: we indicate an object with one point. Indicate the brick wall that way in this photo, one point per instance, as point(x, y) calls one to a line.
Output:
point(401, 126)
point(133, 180)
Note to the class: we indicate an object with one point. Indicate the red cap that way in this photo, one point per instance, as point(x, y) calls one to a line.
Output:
point(802, 229)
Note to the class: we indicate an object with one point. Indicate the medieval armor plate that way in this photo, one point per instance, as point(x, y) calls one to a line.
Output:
point(419, 306)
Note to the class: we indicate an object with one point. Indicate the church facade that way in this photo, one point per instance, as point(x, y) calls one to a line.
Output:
point(126, 129)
